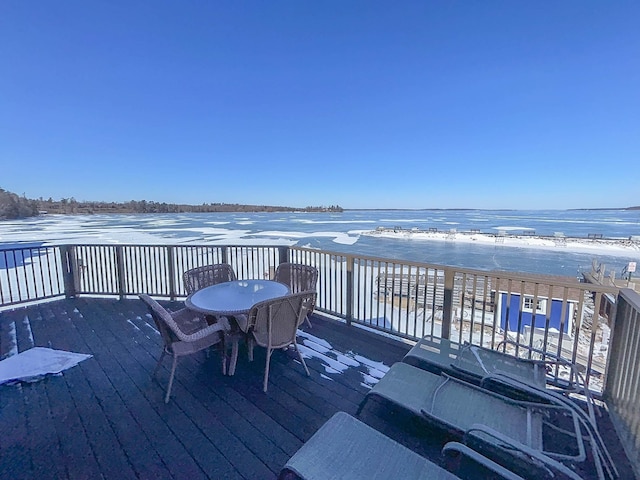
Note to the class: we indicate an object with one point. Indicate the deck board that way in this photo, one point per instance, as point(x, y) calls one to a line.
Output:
point(106, 417)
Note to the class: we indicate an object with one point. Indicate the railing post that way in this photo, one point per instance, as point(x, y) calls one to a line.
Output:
point(225, 254)
point(172, 272)
point(615, 320)
point(283, 255)
point(622, 381)
point(120, 273)
point(350, 287)
point(66, 254)
point(447, 305)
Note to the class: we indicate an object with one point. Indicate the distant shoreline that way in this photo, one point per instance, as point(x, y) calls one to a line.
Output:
point(489, 209)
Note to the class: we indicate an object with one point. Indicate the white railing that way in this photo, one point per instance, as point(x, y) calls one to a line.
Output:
point(31, 273)
point(409, 299)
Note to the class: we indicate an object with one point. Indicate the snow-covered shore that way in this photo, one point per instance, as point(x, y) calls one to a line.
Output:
point(606, 246)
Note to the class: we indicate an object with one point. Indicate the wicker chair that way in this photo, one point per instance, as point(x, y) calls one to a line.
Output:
point(273, 325)
point(200, 277)
point(184, 333)
point(299, 278)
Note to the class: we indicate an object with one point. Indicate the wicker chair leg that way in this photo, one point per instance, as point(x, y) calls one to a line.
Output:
point(302, 359)
point(173, 372)
point(266, 370)
point(308, 322)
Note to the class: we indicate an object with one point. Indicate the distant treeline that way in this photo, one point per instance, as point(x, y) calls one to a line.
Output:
point(13, 206)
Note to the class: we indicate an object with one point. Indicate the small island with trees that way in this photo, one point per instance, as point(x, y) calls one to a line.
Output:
point(13, 206)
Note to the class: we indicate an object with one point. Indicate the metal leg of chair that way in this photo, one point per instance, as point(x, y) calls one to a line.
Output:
point(306, 319)
point(173, 372)
point(223, 354)
point(266, 370)
point(234, 356)
point(362, 404)
point(250, 345)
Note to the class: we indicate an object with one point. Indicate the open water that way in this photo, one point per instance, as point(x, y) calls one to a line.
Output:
point(343, 232)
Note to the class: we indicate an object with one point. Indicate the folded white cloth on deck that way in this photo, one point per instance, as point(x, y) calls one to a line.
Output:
point(37, 362)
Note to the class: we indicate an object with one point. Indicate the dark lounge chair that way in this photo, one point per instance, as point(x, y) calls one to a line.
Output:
point(476, 364)
point(458, 408)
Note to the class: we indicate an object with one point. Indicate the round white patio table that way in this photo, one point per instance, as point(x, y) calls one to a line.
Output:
point(234, 299)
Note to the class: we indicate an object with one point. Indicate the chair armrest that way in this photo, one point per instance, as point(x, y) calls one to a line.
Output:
point(546, 358)
point(480, 459)
point(222, 325)
point(576, 383)
point(536, 459)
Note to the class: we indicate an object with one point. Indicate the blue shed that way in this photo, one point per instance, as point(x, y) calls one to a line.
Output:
point(517, 313)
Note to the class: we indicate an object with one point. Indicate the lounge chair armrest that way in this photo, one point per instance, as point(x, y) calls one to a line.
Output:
point(550, 396)
point(477, 457)
point(549, 360)
point(538, 395)
point(587, 419)
point(546, 357)
point(477, 435)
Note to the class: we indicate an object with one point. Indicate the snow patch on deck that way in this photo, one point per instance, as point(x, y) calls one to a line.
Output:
point(337, 362)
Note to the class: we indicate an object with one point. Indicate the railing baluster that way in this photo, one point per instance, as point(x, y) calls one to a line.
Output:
point(447, 306)
point(350, 283)
point(170, 255)
point(120, 271)
point(68, 272)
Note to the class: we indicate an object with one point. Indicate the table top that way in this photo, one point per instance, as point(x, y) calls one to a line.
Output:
point(233, 298)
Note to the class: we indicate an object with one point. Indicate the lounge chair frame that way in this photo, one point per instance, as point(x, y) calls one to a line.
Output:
point(434, 398)
point(474, 364)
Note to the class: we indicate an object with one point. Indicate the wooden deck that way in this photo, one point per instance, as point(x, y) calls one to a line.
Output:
point(106, 417)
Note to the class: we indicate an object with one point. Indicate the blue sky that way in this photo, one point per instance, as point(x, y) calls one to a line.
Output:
point(365, 104)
